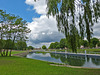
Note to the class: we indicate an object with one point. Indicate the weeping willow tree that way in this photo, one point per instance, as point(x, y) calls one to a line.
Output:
point(75, 18)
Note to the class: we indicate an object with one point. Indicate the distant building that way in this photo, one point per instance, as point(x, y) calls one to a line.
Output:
point(81, 46)
point(96, 46)
point(66, 48)
point(99, 39)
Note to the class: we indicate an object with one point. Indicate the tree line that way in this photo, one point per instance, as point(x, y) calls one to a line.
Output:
point(65, 44)
point(13, 32)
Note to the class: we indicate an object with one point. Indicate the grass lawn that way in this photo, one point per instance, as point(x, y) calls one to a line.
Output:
point(93, 50)
point(24, 66)
point(16, 52)
point(80, 50)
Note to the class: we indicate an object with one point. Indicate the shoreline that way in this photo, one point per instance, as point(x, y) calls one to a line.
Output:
point(63, 65)
point(56, 64)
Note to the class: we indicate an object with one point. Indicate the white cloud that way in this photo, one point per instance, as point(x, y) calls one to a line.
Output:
point(38, 45)
point(44, 29)
point(43, 33)
point(42, 24)
point(39, 6)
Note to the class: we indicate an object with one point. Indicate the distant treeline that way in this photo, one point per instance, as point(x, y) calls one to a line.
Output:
point(65, 44)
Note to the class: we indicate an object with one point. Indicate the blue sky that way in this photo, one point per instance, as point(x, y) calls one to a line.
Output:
point(18, 7)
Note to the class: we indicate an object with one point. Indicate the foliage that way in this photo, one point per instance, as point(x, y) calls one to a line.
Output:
point(51, 46)
point(12, 29)
point(55, 45)
point(9, 44)
point(44, 47)
point(68, 43)
point(94, 41)
point(63, 43)
point(99, 44)
point(58, 46)
point(72, 13)
point(85, 43)
point(21, 45)
point(1, 44)
point(30, 47)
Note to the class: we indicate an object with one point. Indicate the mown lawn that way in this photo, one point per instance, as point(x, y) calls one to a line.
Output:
point(79, 50)
point(24, 66)
point(16, 52)
point(93, 50)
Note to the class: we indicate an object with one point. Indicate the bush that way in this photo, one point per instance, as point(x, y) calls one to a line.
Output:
point(44, 47)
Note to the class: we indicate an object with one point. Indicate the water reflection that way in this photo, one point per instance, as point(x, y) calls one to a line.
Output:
point(70, 60)
point(44, 57)
point(67, 59)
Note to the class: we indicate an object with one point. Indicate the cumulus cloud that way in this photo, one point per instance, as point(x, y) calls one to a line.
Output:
point(38, 45)
point(39, 6)
point(44, 29)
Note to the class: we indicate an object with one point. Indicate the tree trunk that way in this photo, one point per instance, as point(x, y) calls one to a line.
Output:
point(4, 52)
point(7, 53)
point(1, 52)
point(10, 52)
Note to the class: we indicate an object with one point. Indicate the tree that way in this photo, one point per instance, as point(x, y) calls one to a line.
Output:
point(94, 42)
point(85, 43)
point(21, 45)
point(12, 29)
point(63, 43)
point(1, 46)
point(99, 44)
point(55, 45)
point(44, 47)
point(30, 47)
point(52, 46)
point(8, 45)
point(70, 13)
point(58, 46)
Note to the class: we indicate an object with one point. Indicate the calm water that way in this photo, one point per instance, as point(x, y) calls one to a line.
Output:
point(69, 60)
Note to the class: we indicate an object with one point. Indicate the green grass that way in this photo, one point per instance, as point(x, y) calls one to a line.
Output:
point(80, 50)
point(16, 52)
point(24, 66)
point(93, 50)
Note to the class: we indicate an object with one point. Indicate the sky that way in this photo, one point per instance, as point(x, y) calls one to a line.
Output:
point(43, 29)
